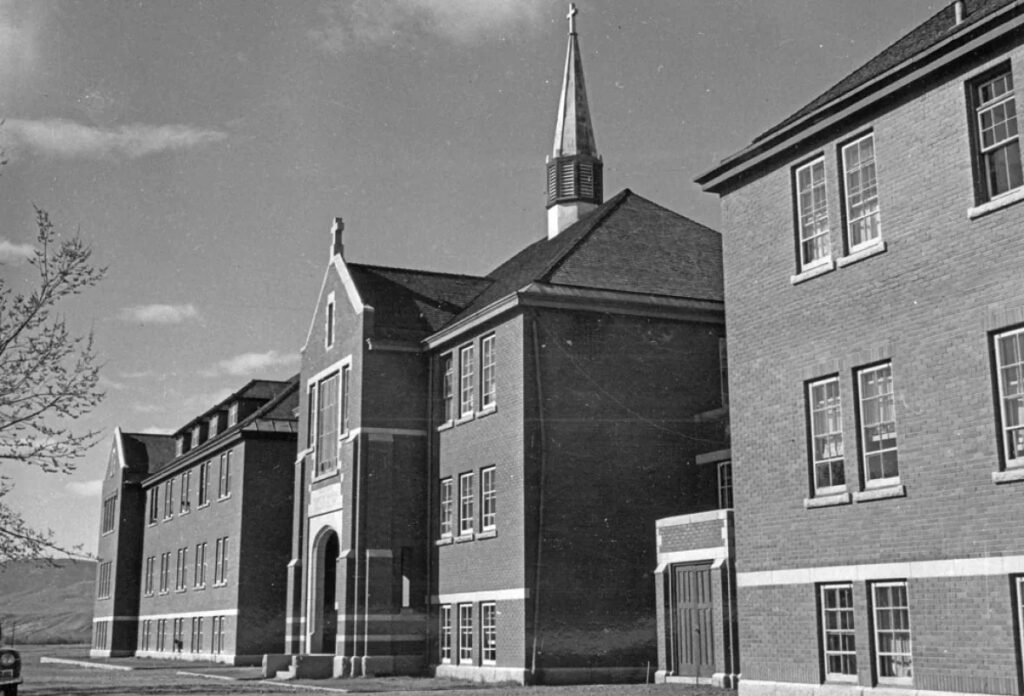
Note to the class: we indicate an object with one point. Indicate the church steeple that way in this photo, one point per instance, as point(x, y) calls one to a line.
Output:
point(574, 168)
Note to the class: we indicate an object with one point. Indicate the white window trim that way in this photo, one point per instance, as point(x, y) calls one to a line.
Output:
point(866, 246)
point(825, 490)
point(1009, 464)
point(330, 320)
point(463, 531)
point(488, 407)
point(833, 676)
point(982, 152)
point(806, 268)
point(903, 681)
point(494, 494)
point(483, 628)
point(889, 481)
point(451, 507)
point(466, 409)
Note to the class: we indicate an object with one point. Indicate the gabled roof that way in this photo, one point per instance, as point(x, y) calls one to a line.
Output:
point(145, 453)
point(257, 390)
point(628, 244)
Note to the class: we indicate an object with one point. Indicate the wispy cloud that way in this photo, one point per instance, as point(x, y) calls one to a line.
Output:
point(15, 253)
point(69, 139)
point(153, 430)
point(349, 23)
point(146, 408)
point(85, 489)
point(108, 383)
point(248, 363)
point(19, 25)
point(159, 313)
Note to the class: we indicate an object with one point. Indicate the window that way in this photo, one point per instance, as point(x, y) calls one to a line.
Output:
point(860, 190)
point(161, 635)
point(826, 426)
point(878, 425)
point(147, 632)
point(109, 514)
point(448, 388)
point(232, 414)
point(1010, 366)
point(724, 485)
point(327, 425)
point(169, 499)
point(204, 484)
point(200, 561)
point(812, 214)
point(217, 636)
point(997, 140)
point(179, 634)
point(103, 586)
point(329, 322)
point(466, 504)
point(446, 507)
point(99, 640)
point(465, 634)
point(154, 504)
point(892, 632)
point(181, 570)
point(445, 637)
point(224, 480)
point(147, 585)
point(197, 634)
point(186, 492)
point(837, 635)
point(488, 499)
point(488, 633)
point(165, 572)
point(467, 383)
point(220, 562)
point(723, 370)
point(488, 386)
point(346, 381)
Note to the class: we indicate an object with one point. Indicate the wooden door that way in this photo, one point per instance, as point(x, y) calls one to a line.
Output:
point(693, 621)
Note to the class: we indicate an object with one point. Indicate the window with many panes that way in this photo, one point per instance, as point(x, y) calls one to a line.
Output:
point(812, 215)
point(169, 499)
point(165, 572)
point(465, 634)
point(448, 388)
point(186, 492)
point(200, 565)
point(488, 385)
point(224, 478)
point(878, 425)
point(327, 424)
point(179, 634)
point(217, 637)
point(161, 635)
point(109, 514)
point(445, 633)
point(103, 586)
point(147, 583)
point(998, 142)
point(488, 633)
point(181, 570)
point(466, 504)
point(197, 634)
point(893, 657)
point(467, 381)
point(725, 484)
point(860, 189)
point(446, 507)
point(1010, 377)
point(220, 562)
point(826, 432)
point(204, 484)
point(488, 499)
point(837, 634)
point(346, 384)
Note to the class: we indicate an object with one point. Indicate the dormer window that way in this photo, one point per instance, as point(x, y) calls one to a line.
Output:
point(182, 444)
point(212, 428)
point(233, 414)
point(197, 435)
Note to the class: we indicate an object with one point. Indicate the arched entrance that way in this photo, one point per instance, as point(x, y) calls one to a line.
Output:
point(324, 607)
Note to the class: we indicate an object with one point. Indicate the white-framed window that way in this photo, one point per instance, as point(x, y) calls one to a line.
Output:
point(878, 425)
point(446, 501)
point(197, 634)
point(488, 384)
point(204, 484)
point(154, 504)
point(448, 388)
point(1010, 377)
point(200, 565)
point(998, 141)
point(103, 585)
point(327, 424)
point(181, 570)
point(232, 414)
point(466, 503)
point(99, 640)
point(346, 387)
point(860, 189)
point(169, 499)
point(220, 562)
point(825, 415)
point(467, 381)
point(217, 637)
point(725, 484)
point(224, 476)
point(165, 572)
point(488, 633)
point(109, 514)
point(161, 635)
point(329, 322)
point(147, 632)
point(893, 657)
point(488, 499)
point(837, 634)
point(465, 634)
point(178, 634)
point(445, 633)
point(186, 492)
point(147, 582)
point(812, 214)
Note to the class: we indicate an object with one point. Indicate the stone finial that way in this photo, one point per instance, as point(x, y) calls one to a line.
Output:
point(337, 249)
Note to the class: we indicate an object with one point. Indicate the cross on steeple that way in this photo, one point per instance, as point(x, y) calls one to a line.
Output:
point(572, 17)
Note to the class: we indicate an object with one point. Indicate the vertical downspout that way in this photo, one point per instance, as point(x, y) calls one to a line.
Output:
point(299, 630)
point(540, 492)
point(431, 477)
point(356, 501)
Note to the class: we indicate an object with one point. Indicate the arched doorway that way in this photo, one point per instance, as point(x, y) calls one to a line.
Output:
point(324, 605)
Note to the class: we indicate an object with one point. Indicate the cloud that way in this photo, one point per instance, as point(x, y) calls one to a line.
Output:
point(153, 430)
point(349, 23)
point(248, 363)
point(19, 25)
point(108, 383)
point(69, 139)
point(85, 489)
point(15, 253)
point(159, 313)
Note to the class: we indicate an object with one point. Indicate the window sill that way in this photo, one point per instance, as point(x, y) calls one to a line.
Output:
point(813, 272)
point(316, 478)
point(463, 538)
point(487, 534)
point(228, 496)
point(487, 411)
point(107, 533)
point(897, 491)
point(447, 425)
point(465, 418)
point(827, 500)
point(444, 541)
point(1008, 475)
point(867, 252)
point(995, 204)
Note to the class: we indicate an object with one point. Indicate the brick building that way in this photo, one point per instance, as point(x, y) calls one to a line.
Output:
point(195, 533)
point(484, 458)
point(876, 308)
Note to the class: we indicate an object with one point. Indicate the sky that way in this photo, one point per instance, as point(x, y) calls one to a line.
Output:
point(202, 149)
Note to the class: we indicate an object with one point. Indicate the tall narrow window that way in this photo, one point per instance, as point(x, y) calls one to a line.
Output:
point(467, 383)
point(197, 634)
point(488, 385)
point(200, 570)
point(446, 507)
point(103, 586)
point(204, 484)
point(311, 417)
point(837, 633)
point(165, 572)
point(224, 479)
point(826, 426)
point(154, 504)
point(186, 492)
point(725, 485)
point(329, 323)
point(861, 191)
point(448, 388)
point(327, 424)
point(488, 499)
point(1010, 366)
point(181, 570)
point(488, 633)
point(998, 141)
point(109, 514)
point(894, 660)
point(466, 504)
point(147, 631)
point(878, 425)
point(217, 639)
point(147, 584)
point(161, 635)
point(812, 214)
point(445, 634)
point(169, 499)
point(465, 634)
point(220, 562)
point(346, 382)
point(723, 370)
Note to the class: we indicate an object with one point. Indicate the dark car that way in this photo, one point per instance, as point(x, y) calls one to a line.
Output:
point(10, 671)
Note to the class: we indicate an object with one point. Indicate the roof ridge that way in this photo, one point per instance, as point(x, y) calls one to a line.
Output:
point(612, 204)
point(416, 270)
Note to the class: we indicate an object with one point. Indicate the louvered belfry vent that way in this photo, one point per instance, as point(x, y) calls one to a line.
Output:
point(575, 178)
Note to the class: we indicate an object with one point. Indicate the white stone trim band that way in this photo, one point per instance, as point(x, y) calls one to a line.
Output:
point(484, 596)
point(714, 553)
point(189, 614)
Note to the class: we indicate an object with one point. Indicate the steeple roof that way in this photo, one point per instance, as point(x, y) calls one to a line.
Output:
point(574, 132)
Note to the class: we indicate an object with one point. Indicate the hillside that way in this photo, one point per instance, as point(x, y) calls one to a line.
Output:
point(45, 603)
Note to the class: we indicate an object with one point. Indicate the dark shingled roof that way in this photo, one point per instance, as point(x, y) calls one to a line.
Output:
point(144, 453)
point(411, 304)
point(926, 35)
point(627, 244)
